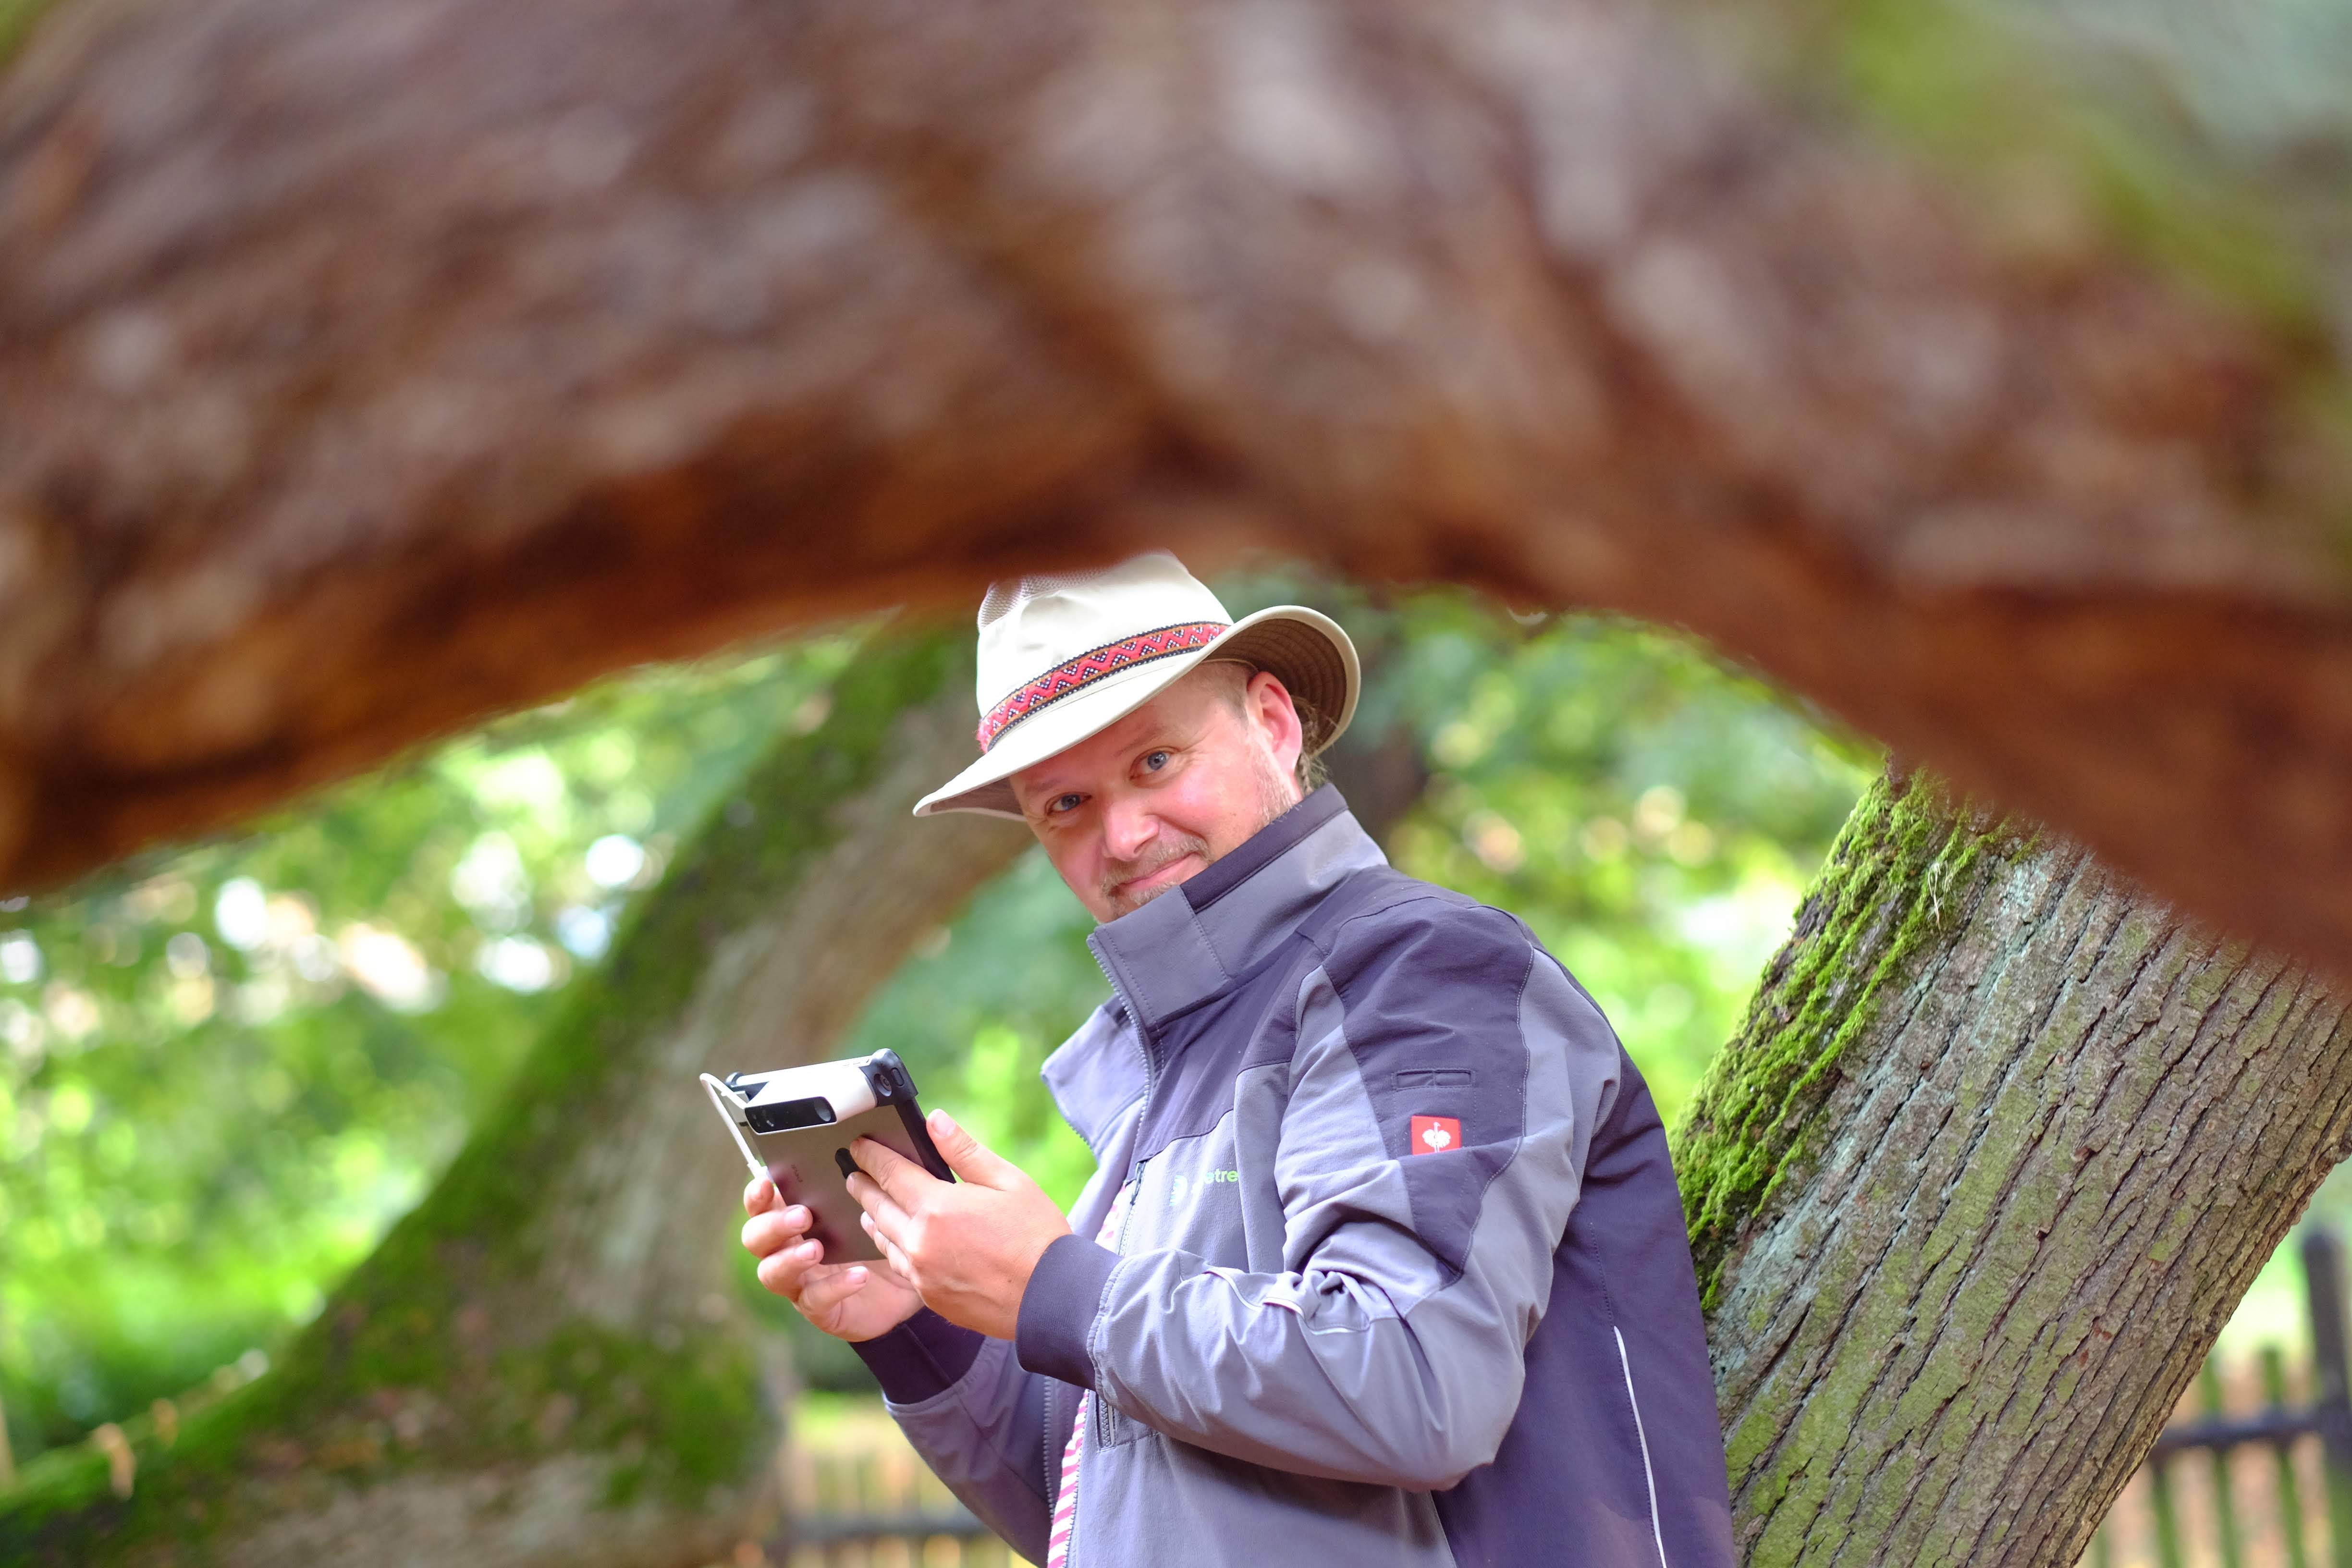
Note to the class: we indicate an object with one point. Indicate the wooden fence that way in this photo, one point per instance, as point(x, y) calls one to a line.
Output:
point(856, 1496)
point(2256, 1469)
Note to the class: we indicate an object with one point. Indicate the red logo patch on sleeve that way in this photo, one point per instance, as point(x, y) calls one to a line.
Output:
point(1435, 1134)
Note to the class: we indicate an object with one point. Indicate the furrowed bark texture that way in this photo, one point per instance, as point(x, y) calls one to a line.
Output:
point(544, 1364)
point(370, 367)
point(2001, 1144)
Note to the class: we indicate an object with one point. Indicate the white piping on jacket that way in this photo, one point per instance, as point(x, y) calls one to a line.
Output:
point(1656, 1531)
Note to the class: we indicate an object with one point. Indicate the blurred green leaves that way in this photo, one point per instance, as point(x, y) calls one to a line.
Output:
point(224, 1071)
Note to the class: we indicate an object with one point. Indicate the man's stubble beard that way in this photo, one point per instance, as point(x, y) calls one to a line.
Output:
point(1276, 794)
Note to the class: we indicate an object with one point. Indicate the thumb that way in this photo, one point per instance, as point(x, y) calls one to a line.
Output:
point(968, 1157)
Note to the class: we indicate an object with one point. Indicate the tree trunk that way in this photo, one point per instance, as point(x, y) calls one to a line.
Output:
point(542, 1364)
point(1999, 1148)
point(370, 368)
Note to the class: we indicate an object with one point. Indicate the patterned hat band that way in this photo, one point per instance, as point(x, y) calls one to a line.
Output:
point(1095, 665)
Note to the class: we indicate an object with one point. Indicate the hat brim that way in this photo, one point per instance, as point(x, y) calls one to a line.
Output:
point(1303, 648)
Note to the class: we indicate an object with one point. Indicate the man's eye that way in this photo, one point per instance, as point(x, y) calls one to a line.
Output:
point(1063, 802)
point(1155, 760)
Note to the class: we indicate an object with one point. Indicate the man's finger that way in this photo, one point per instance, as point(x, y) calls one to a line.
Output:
point(784, 1271)
point(877, 1203)
point(968, 1157)
point(828, 1285)
point(760, 1195)
point(897, 1175)
point(883, 1270)
point(896, 1258)
point(766, 1233)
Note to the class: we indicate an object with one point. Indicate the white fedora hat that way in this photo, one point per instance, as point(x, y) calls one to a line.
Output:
point(1064, 658)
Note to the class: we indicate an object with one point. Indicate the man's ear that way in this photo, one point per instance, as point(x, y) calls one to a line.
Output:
point(1276, 716)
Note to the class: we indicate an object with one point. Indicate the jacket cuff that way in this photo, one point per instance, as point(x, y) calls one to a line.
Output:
point(923, 1357)
point(1064, 1293)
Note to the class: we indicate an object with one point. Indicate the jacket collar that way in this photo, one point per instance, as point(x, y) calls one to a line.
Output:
point(1189, 945)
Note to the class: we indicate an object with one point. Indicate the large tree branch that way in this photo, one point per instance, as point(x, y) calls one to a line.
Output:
point(371, 368)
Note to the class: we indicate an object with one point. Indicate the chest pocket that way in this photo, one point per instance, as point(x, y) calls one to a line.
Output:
point(1190, 1197)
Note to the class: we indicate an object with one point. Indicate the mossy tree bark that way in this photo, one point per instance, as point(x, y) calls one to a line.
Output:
point(542, 1363)
point(1999, 1148)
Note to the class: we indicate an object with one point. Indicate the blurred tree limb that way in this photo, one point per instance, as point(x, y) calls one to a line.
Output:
point(372, 368)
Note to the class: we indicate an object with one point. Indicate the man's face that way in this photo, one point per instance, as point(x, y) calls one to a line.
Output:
point(1185, 779)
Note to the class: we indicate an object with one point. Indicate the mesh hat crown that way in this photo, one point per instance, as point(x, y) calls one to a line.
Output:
point(1062, 658)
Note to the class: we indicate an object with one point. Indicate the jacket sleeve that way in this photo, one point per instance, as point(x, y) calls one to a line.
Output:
point(976, 1417)
point(1444, 1089)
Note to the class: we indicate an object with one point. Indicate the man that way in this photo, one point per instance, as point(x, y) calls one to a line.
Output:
point(1383, 1261)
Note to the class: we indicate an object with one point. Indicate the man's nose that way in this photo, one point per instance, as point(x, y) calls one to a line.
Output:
point(1128, 827)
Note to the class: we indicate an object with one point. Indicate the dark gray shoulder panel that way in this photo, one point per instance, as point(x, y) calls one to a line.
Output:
point(1429, 990)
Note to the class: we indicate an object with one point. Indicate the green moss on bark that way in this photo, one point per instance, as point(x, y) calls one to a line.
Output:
point(1997, 106)
point(1900, 871)
point(16, 19)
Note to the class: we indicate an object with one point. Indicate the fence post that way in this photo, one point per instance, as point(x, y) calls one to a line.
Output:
point(2225, 1502)
point(2323, 1280)
point(2290, 1493)
point(2168, 1518)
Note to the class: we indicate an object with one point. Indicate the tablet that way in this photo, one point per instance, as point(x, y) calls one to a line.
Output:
point(794, 1125)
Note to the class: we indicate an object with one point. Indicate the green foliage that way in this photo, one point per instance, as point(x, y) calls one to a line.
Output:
point(2018, 104)
point(224, 1070)
point(447, 1320)
point(2209, 142)
point(16, 19)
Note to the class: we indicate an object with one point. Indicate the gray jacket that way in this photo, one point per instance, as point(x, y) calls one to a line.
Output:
point(1404, 1279)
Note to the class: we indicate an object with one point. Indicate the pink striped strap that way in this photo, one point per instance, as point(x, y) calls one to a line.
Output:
point(1065, 1498)
point(1092, 665)
point(1066, 1505)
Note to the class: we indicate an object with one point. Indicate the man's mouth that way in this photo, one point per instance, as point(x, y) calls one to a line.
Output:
point(1164, 875)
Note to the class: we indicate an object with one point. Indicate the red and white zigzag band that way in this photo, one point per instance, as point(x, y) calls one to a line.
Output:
point(1092, 665)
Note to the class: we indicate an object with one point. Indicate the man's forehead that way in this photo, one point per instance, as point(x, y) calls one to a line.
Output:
point(1174, 705)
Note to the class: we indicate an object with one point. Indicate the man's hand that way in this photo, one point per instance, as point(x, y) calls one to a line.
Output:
point(850, 1302)
point(968, 1247)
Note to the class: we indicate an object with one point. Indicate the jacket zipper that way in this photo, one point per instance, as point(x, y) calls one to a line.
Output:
point(1135, 1167)
point(1053, 1460)
point(1118, 1245)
